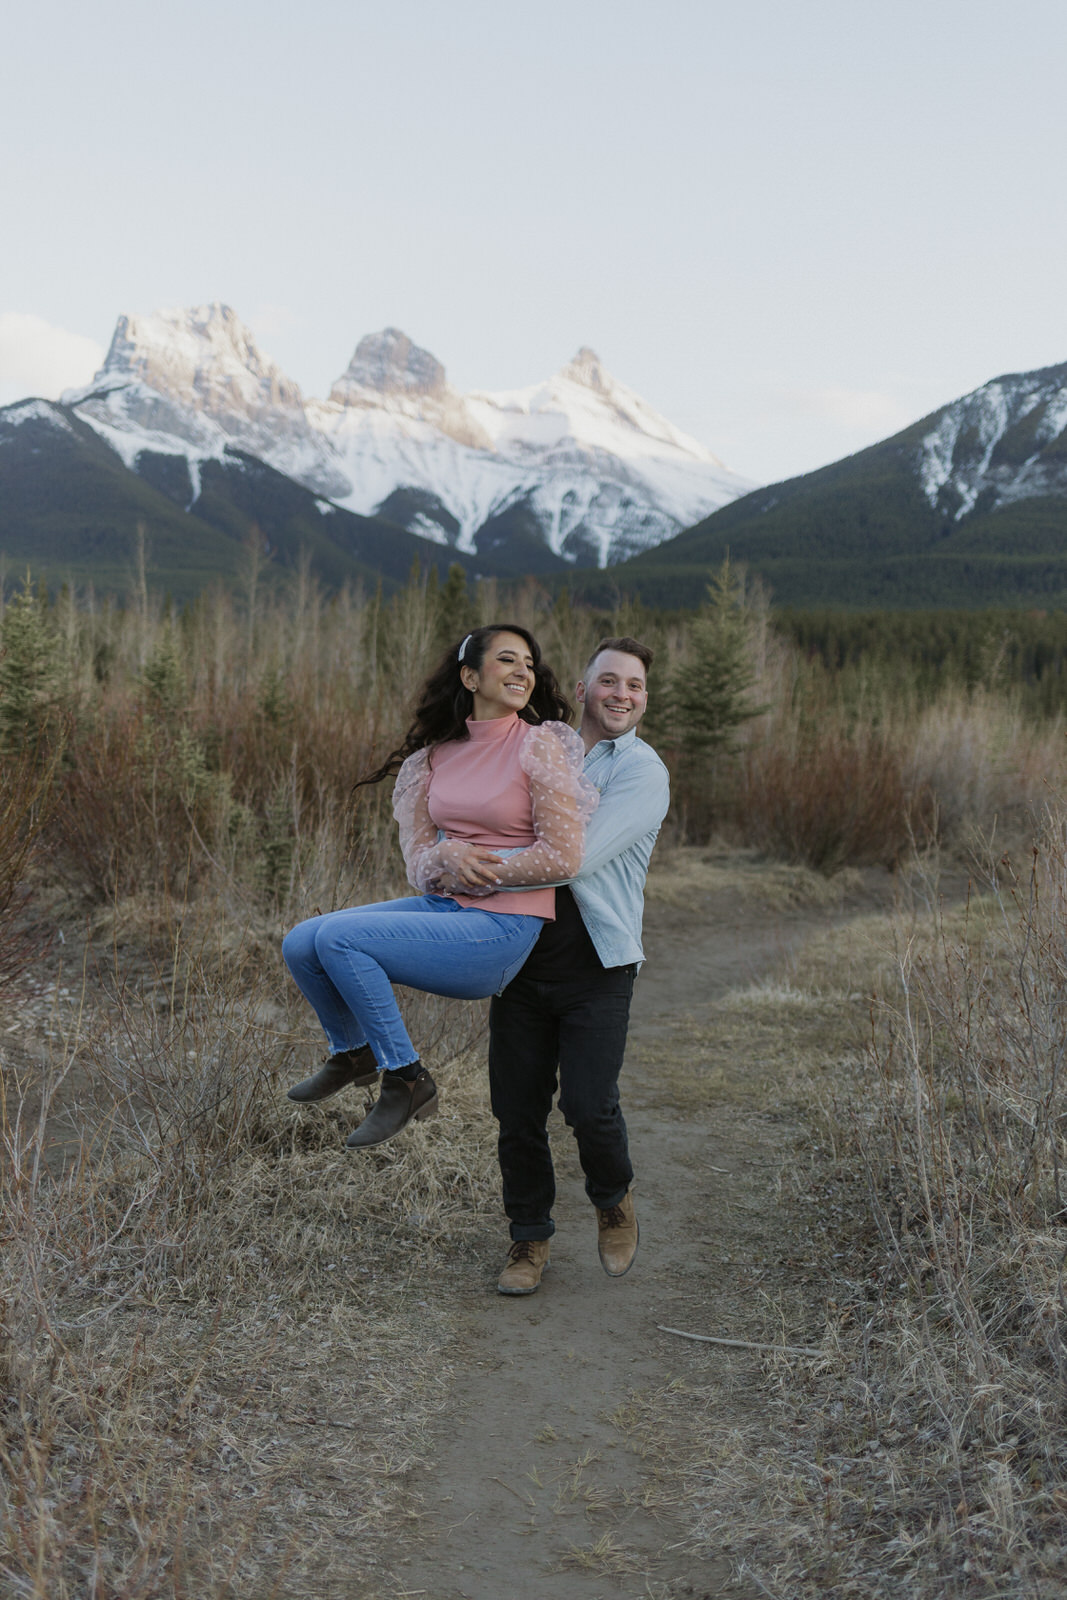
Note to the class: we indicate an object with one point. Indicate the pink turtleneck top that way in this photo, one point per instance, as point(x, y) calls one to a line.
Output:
point(508, 786)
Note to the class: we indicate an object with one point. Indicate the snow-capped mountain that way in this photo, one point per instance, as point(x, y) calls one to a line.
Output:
point(192, 383)
point(71, 512)
point(1001, 443)
point(965, 507)
point(580, 461)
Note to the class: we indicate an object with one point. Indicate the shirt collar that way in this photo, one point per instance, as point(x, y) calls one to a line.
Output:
point(613, 745)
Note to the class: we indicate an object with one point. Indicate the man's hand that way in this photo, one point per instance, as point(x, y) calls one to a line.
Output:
point(471, 870)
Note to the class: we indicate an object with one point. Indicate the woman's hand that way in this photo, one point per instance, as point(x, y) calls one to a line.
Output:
point(471, 869)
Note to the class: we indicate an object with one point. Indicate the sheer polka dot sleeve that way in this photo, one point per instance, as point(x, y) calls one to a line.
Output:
point(418, 835)
point(562, 801)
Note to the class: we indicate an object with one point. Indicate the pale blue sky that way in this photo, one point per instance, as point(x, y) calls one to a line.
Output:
point(793, 227)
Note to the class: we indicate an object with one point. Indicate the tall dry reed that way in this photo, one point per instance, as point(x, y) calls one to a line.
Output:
point(837, 772)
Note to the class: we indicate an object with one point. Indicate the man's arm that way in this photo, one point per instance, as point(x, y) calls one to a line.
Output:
point(632, 803)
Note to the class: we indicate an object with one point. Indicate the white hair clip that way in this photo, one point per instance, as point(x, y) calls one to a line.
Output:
point(463, 646)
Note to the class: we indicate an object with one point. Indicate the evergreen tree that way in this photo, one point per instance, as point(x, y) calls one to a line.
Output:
point(708, 690)
point(455, 613)
point(163, 676)
point(28, 668)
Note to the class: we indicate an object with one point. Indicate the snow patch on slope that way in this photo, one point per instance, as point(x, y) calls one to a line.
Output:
point(985, 445)
point(601, 472)
point(35, 411)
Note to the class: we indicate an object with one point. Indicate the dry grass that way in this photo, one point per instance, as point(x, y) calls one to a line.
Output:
point(605, 1556)
point(221, 1333)
point(848, 767)
point(24, 801)
point(819, 784)
point(756, 1049)
point(680, 875)
point(828, 795)
point(222, 1339)
point(925, 1455)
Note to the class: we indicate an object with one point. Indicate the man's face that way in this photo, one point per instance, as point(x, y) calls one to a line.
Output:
point(614, 696)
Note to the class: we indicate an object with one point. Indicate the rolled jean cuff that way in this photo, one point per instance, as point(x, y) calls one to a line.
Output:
point(531, 1231)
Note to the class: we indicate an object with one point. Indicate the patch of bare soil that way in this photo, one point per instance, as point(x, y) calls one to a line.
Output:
point(556, 1471)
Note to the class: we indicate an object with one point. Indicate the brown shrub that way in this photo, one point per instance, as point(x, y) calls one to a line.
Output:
point(133, 797)
point(26, 779)
point(831, 799)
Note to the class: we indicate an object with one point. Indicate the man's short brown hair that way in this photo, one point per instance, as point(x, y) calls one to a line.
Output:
point(628, 647)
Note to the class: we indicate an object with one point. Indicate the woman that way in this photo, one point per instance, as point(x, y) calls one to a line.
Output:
point(489, 796)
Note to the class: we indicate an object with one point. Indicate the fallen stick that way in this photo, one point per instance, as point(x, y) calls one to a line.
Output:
point(744, 1344)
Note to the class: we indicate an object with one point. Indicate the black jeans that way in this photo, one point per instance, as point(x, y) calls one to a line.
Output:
point(578, 1027)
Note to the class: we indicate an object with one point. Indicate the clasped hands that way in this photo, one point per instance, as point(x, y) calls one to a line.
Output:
point(469, 869)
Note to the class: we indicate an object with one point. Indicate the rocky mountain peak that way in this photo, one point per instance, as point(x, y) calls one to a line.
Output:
point(201, 353)
point(586, 369)
point(390, 364)
point(196, 375)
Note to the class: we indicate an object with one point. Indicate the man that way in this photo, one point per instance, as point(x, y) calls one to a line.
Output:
point(568, 1009)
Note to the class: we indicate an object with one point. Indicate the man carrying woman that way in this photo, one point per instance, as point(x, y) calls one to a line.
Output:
point(486, 765)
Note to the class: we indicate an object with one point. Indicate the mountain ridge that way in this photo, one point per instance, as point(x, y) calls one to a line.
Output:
point(966, 506)
point(71, 511)
point(579, 457)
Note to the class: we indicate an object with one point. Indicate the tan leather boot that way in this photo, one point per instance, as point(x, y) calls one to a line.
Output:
point(617, 1236)
point(527, 1259)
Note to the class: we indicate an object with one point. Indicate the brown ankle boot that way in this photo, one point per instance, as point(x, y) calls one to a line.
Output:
point(399, 1102)
point(527, 1259)
point(337, 1072)
point(617, 1236)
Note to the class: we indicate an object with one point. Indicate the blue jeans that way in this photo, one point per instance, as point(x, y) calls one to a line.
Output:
point(346, 962)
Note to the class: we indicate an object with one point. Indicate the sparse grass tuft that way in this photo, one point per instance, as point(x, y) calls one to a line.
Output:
point(605, 1557)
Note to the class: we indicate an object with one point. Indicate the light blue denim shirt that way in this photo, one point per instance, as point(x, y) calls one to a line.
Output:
point(609, 890)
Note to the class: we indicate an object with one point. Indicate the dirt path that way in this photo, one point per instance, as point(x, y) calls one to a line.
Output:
point(536, 1489)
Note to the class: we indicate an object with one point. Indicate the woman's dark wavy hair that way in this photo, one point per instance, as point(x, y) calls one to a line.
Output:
point(444, 705)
